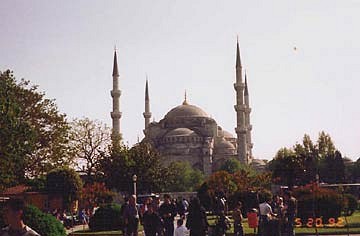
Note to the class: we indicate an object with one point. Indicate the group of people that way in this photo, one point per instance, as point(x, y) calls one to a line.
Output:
point(277, 215)
point(158, 219)
point(82, 217)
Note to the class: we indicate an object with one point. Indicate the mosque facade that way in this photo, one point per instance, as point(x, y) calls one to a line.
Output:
point(188, 133)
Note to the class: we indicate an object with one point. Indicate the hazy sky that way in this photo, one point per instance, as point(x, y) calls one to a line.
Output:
point(66, 47)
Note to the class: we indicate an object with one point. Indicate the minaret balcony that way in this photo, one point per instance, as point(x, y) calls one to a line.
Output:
point(115, 115)
point(248, 110)
point(240, 130)
point(115, 93)
point(147, 114)
point(239, 86)
point(240, 108)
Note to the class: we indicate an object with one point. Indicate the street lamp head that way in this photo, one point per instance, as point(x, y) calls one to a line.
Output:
point(134, 178)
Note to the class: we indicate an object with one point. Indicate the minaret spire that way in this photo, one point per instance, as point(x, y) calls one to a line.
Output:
point(115, 94)
point(240, 129)
point(246, 92)
point(147, 113)
point(248, 125)
point(238, 60)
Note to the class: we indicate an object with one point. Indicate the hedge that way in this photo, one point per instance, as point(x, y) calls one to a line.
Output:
point(107, 217)
point(42, 223)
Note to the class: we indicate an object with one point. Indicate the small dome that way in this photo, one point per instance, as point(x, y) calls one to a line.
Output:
point(180, 132)
point(223, 144)
point(227, 134)
point(186, 110)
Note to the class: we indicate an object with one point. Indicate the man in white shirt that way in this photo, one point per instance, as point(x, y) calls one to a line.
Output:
point(13, 215)
point(265, 214)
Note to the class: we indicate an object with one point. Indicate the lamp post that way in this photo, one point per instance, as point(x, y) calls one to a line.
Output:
point(134, 178)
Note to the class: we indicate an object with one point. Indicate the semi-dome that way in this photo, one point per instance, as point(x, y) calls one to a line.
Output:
point(223, 144)
point(186, 110)
point(180, 132)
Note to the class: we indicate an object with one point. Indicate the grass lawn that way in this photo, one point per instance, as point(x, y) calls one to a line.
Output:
point(353, 223)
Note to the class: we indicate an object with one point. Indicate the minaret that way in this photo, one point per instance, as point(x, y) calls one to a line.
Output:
point(240, 129)
point(248, 126)
point(147, 113)
point(115, 114)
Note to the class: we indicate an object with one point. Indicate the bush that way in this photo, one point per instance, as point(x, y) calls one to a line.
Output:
point(351, 204)
point(107, 217)
point(44, 224)
point(322, 202)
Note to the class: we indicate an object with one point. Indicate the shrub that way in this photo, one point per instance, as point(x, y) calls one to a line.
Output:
point(107, 217)
point(351, 204)
point(322, 202)
point(44, 224)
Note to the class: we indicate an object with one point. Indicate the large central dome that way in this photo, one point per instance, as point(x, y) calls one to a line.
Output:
point(186, 110)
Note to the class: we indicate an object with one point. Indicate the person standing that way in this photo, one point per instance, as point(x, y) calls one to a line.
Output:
point(237, 216)
point(196, 219)
point(151, 221)
point(266, 213)
point(290, 213)
point(131, 217)
point(181, 230)
point(168, 212)
point(13, 216)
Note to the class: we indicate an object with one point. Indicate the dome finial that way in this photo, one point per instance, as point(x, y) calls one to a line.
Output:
point(185, 99)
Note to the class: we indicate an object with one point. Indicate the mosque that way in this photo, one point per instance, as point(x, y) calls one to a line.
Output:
point(188, 133)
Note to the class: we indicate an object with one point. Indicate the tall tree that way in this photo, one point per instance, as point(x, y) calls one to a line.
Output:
point(141, 160)
point(90, 140)
point(309, 162)
point(17, 138)
point(65, 182)
point(33, 132)
point(286, 167)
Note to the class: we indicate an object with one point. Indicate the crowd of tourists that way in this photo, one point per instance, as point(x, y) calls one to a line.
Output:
point(273, 217)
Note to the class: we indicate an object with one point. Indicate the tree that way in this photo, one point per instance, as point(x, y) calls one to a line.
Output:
point(141, 160)
point(66, 183)
point(286, 167)
point(231, 165)
point(183, 177)
point(34, 135)
point(17, 138)
point(96, 193)
point(90, 140)
point(221, 181)
point(305, 162)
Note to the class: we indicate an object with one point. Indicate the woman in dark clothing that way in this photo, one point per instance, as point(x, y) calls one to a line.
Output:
point(196, 220)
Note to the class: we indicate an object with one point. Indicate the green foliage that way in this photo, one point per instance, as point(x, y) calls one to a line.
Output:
point(44, 224)
point(183, 177)
point(141, 160)
point(33, 134)
point(351, 204)
point(65, 182)
point(107, 217)
point(17, 138)
point(301, 164)
point(231, 165)
point(354, 171)
point(322, 202)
